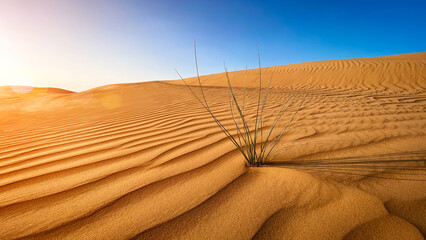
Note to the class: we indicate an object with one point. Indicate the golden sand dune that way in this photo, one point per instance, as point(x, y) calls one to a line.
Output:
point(23, 98)
point(398, 73)
point(146, 161)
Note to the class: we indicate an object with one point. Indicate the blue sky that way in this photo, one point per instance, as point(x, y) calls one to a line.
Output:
point(82, 44)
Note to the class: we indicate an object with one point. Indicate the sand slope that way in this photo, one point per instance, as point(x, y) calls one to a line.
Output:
point(397, 73)
point(145, 161)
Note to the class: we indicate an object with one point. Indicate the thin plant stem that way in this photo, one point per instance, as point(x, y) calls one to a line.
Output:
point(246, 140)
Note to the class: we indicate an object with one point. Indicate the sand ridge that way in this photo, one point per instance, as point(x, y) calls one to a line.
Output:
point(397, 73)
point(145, 160)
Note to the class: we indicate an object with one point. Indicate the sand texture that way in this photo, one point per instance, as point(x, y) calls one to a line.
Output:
point(146, 161)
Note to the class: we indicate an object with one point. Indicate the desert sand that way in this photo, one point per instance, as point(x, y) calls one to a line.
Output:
point(146, 161)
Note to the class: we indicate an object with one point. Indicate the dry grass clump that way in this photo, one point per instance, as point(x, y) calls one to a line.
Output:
point(255, 145)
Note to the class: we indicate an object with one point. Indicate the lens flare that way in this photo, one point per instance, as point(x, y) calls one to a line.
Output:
point(21, 89)
point(111, 100)
point(23, 84)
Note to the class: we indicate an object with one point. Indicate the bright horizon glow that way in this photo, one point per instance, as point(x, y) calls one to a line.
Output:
point(77, 45)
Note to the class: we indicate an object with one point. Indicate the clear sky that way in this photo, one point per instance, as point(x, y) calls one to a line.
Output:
point(81, 44)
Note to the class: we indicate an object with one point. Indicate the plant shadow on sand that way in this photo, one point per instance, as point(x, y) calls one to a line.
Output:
point(409, 166)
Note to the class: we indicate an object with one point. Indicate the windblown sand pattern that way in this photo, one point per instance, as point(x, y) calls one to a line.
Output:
point(145, 161)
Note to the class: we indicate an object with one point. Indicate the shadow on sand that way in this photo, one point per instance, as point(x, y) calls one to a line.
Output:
point(409, 166)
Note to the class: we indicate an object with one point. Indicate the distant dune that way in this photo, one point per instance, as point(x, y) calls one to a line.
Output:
point(26, 98)
point(397, 73)
point(145, 161)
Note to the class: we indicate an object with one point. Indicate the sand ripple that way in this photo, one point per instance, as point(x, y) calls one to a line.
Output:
point(145, 161)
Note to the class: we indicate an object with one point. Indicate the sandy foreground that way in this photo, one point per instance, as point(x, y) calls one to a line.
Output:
point(146, 161)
